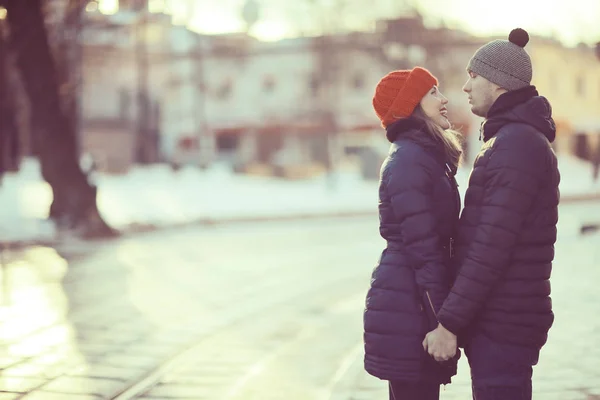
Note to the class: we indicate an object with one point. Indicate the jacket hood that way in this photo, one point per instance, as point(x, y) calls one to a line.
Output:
point(521, 106)
point(415, 130)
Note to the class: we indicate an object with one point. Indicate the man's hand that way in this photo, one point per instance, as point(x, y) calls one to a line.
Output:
point(440, 344)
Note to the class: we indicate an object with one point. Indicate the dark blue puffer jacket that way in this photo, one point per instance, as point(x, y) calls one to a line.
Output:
point(419, 206)
point(505, 244)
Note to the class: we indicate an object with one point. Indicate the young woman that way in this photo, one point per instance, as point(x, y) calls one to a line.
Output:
point(419, 206)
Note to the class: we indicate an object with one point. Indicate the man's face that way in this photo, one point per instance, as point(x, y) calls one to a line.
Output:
point(482, 94)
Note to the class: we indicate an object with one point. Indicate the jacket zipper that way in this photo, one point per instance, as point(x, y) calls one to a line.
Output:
point(454, 185)
point(431, 305)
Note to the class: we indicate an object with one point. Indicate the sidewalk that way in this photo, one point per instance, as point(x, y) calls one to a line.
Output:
point(156, 197)
point(80, 325)
point(72, 330)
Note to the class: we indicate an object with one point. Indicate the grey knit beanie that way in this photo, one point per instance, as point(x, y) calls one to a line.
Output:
point(504, 62)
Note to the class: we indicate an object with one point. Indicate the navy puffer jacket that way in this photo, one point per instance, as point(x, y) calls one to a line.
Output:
point(507, 231)
point(419, 206)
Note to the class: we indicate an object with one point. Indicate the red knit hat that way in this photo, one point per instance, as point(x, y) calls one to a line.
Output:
point(399, 92)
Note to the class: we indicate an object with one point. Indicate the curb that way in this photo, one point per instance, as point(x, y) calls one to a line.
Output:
point(576, 198)
point(135, 229)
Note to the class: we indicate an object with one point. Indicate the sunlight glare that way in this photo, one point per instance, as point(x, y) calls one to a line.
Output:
point(108, 6)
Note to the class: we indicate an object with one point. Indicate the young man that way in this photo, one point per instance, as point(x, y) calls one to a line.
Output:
point(499, 305)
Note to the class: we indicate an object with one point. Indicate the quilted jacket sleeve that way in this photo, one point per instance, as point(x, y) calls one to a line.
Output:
point(512, 178)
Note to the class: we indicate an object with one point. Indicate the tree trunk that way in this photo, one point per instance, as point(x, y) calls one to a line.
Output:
point(9, 135)
point(74, 204)
point(68, 61)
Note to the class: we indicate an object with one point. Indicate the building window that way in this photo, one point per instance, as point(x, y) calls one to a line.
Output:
point(228, 142)
point(224, 90)
point(314, 84)
point(175, 82)
point(268, 84)
point(552, 82)
point(580, 86)
point(358, 82)
point(124, 104)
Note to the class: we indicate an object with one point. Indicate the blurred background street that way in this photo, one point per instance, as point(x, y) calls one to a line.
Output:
point(250, 311)
point(188, 189)
point(169, 112)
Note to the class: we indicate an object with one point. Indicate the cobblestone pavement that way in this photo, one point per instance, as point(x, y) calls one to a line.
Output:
point(268, 311)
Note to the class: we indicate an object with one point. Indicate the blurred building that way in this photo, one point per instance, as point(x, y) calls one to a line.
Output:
point(139, 84)
point(257, 105)
point(292, 107)
point(308, 100)
point(570, 79)
point(294, 103)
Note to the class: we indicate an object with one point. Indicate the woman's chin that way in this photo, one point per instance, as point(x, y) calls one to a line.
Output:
point(444, 123)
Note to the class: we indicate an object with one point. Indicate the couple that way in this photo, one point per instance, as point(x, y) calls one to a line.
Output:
point(480, 281)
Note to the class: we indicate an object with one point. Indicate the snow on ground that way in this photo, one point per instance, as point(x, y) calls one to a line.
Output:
point(24, 202)
point(159, 196)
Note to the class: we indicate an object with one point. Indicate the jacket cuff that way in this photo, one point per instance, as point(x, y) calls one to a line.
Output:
point(449, 323)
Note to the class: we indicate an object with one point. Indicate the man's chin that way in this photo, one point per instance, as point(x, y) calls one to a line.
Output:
point(477, 111)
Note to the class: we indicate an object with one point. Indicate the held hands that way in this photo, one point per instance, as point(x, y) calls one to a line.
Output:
point(440, 344)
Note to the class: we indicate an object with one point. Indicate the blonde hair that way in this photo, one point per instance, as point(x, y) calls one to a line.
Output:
point(449, 139)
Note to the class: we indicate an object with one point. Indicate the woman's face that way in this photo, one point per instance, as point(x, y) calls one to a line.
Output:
point(434, 106)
